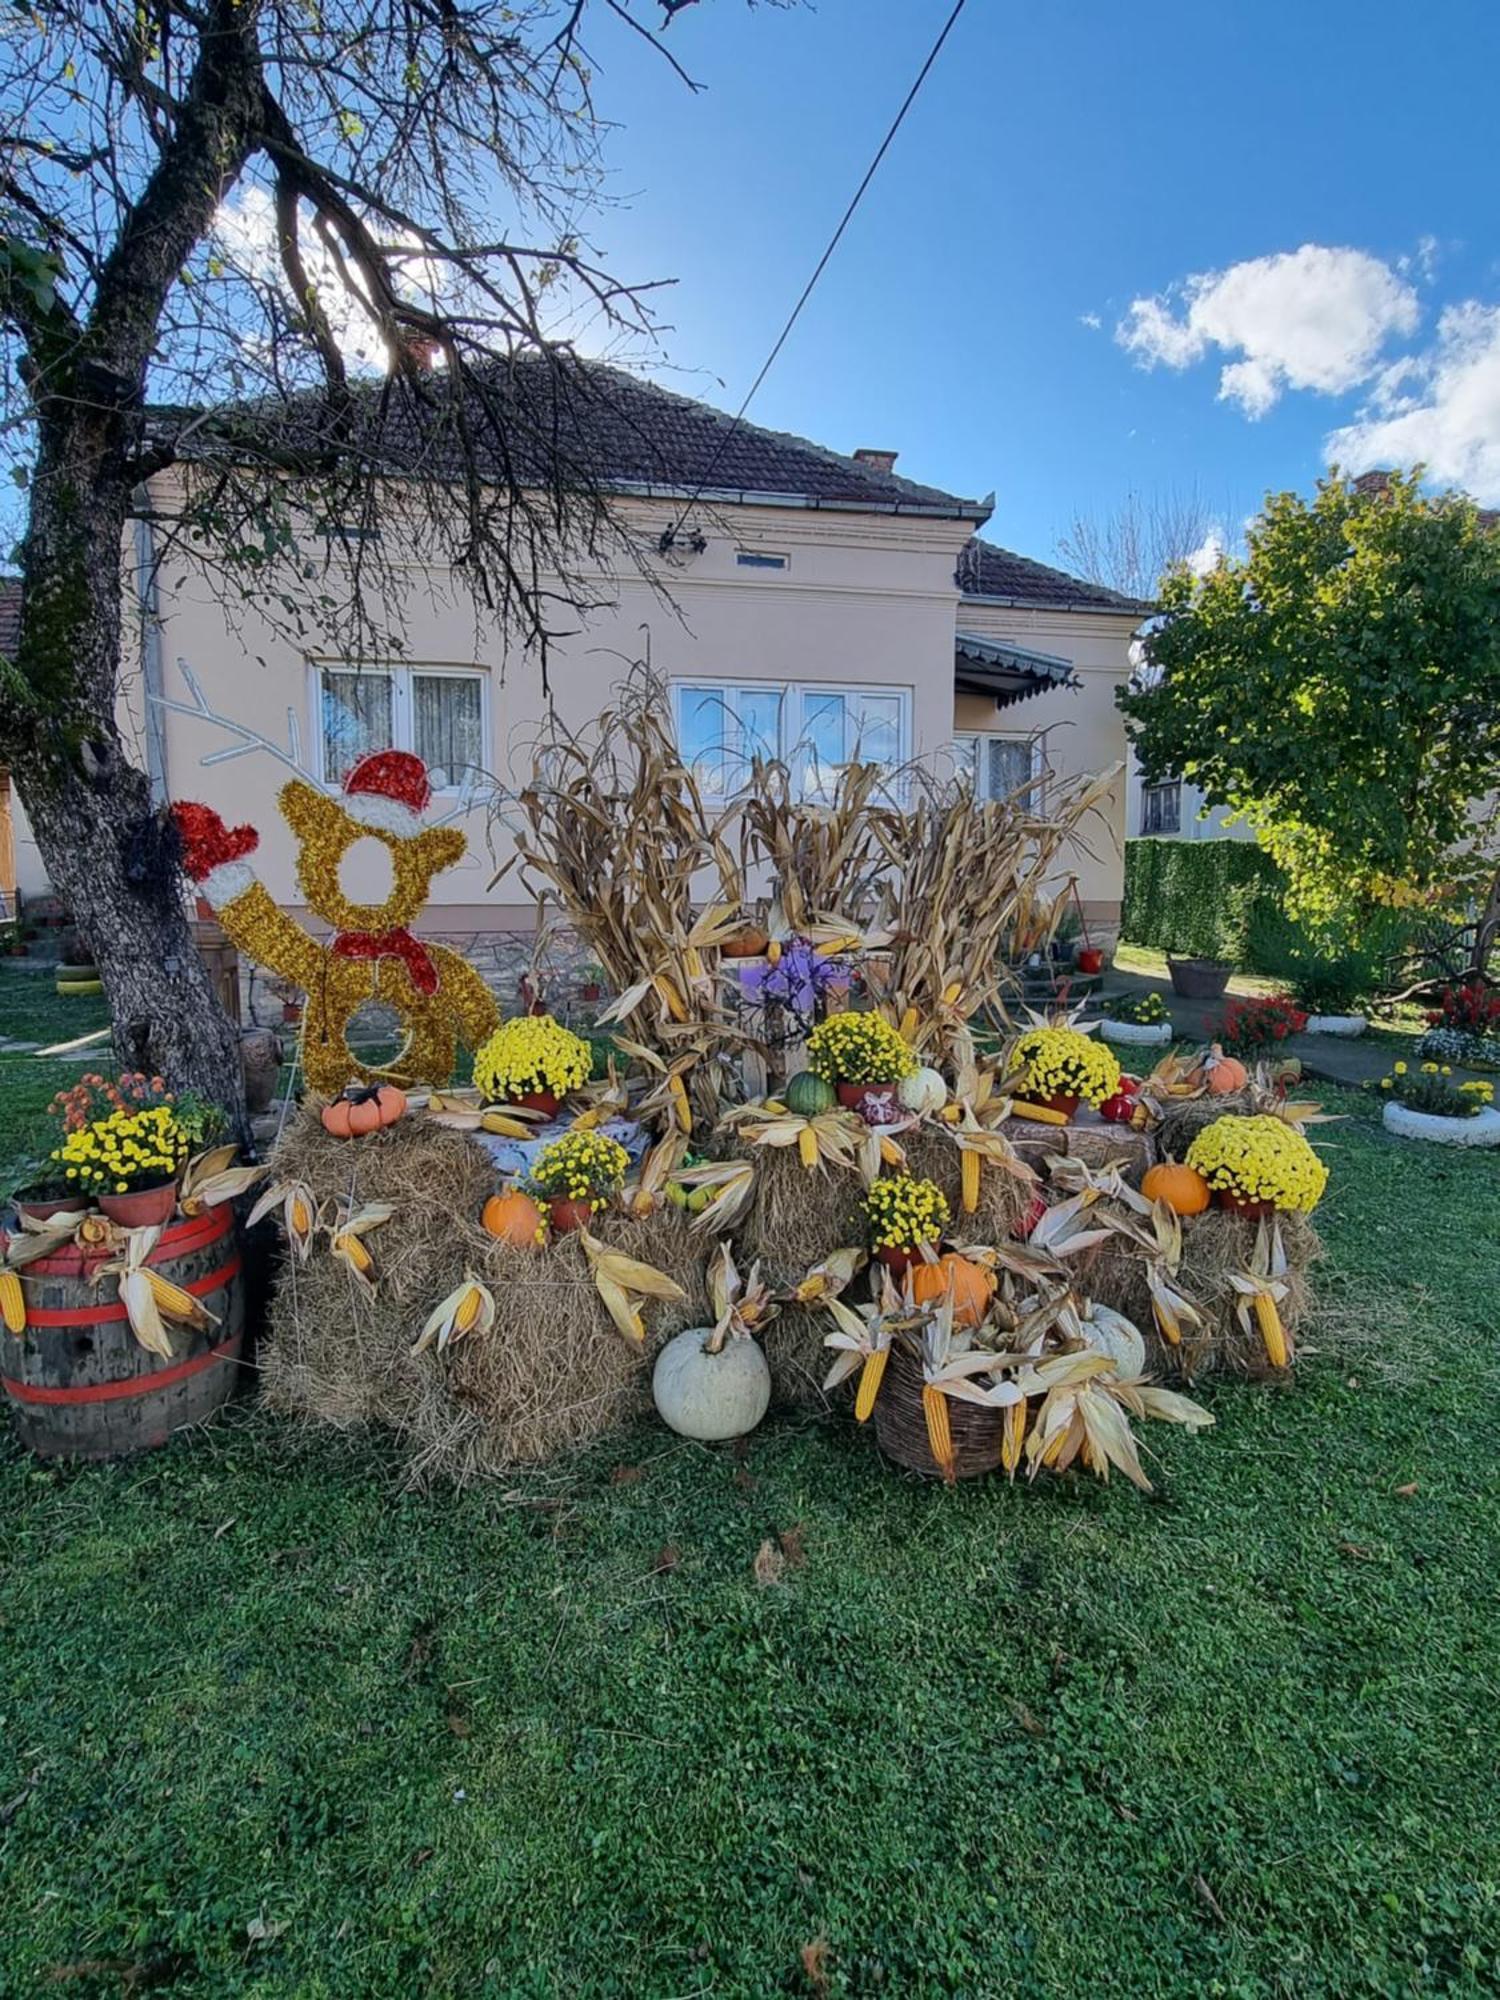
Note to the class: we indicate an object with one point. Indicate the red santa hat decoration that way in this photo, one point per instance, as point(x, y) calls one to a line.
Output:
point(389, 791)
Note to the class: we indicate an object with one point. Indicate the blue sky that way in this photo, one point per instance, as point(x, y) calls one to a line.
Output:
point(1063, 164)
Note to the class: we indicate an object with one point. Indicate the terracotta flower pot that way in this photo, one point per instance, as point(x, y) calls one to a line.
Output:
point(1066, 1105)
point(569, 1215)
point(1237, 1204)
point(875, 1102)
point(897, 1261)
point(43, 1211)
point(537, 1100)
point(142, 1207)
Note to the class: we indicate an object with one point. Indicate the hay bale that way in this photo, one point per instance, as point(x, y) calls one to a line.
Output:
point(796, 1217)
point(793, 1344)
point(1213, 1245)
point(1101, 1144)
point(1003, 1199)
point(552, 1373)
point(1183, 1118)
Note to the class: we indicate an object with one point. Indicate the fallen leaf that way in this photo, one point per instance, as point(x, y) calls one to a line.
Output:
point(815, 1964)
point(459, 1723)
point(770, 1564)
point(792, 1545)
point(744, 1479)
point(1407, 1491)
point(265, 1930)
point(1356, 1551)
point(1209, 1900)
point(1028, 1721)
point(224, 1527)
point(667, 1557)
point(625, 1475)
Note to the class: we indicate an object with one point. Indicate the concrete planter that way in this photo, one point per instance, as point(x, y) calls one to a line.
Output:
point(1408, 1124)
point(1142, 1034)
point(1336, 1024)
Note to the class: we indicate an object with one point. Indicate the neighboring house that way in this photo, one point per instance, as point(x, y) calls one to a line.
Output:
point(822, 606)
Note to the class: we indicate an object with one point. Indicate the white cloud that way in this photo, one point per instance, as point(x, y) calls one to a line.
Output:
point(1206, 556)
point(1440, 409)
point(1091, 320)
point(1315, 318)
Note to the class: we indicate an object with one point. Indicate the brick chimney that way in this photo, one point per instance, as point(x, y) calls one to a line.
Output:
point(877, 461)
point(1372, 482)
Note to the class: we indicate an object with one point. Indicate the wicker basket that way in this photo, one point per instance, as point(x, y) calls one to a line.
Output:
point(901, 1427)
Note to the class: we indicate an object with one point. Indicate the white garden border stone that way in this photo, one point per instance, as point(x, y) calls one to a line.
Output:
point(1408, 1124)
point(1145, 1033)
point(1336, 1024)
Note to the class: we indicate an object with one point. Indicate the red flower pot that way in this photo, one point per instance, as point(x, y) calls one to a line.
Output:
point(142, 1207)
point(537, 1100)
point(43, 1211)
point(875, 1102)
point(1090, 960)
point(1066, 1105)
point(568, 1215)
point(1253, 1211)
point(898, 1261)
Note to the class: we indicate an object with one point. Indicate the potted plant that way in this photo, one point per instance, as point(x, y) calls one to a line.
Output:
point(1252, 1027)
point(1140, 1018)
point(1198, 978)
point(1060, 1068)
point(127, 1161)
point(864, 1058)
point(1257, 1165)
point(1427, 1104)
point(904, 1215)
point(575, 1175)
point(38, 1191)
point(1329, 992)
point(532, 1062)
point(591, 985)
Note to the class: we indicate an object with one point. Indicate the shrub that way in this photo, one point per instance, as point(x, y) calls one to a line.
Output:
point(1249, 1026)
point(1328, 969)
point(1196, 896)
point(1141, 1010)
point(1472, 1007)
point(1431, 1090)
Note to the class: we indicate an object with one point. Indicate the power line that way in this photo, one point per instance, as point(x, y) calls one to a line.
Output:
point(822, 264)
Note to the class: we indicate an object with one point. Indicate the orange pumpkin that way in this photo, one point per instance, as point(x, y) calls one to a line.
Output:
point(512, 1218)
point(973, 1286)
point(1219, 1074)
point(363, 1108)
point(1183, 1189)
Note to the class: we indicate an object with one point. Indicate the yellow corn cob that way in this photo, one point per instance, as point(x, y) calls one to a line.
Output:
point(951, 1113)
point(670, 997)
point(297, 1216)
point(951, 992)
point(692, 959)
point(678, 1092)
point(869, 1383)
point(1272, 1332)
point(939, 1435)
point(595, 1115)
point(351, 1247)
point(773, 952)
point(907, 1026)
point(891, 1154)
point(171, 1298)
point(807, 1146)
point(1040, 1114)
point(969, 1172)
point(12, 1302)
point(468, 1309)
point(1012, 1438)
point(1166, 1324)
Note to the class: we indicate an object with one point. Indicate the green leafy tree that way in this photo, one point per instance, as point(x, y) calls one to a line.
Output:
point(1339, 688)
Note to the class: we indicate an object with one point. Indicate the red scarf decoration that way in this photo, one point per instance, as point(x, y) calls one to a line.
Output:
point(391, 944)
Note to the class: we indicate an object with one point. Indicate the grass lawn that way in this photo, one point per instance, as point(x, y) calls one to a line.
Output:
point(272, 1728)
point(32, 1010)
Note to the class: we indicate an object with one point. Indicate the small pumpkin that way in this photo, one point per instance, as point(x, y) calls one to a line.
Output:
point(702, 1394)
point(363, 1108)
point(750, 942)
point(1183, 1189)
point(809, 1095)
point(513, 1218)
point(923, 1091)
point(1220, 1075)
point(973, 1286)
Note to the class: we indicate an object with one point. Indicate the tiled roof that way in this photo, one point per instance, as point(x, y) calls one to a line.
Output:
point(1009, 673)
point(590, 420)
point(10, 616)
point(987, 571)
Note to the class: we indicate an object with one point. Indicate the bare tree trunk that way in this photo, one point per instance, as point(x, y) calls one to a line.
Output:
point(109, 853)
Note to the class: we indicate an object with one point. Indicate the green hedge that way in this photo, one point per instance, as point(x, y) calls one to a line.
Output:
point(1195, 896)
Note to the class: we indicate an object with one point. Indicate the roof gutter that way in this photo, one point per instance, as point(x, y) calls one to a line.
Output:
point(955, 510)
point(1138, 612)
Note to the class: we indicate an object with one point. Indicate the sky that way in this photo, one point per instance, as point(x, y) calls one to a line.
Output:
point(1157, 248)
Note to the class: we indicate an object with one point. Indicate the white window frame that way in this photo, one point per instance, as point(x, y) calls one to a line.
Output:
point(403, 728)
point(968, 743)
point(790, 696)
point(1150, 794)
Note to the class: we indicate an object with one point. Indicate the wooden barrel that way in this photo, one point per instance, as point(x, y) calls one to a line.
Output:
point(81, 1385)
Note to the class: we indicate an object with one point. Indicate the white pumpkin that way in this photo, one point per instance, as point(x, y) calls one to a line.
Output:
point(704, 1395)
point(1110, 1332)
point(923, 1091)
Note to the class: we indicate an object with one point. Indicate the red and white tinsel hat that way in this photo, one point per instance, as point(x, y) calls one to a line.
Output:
point(390, 791)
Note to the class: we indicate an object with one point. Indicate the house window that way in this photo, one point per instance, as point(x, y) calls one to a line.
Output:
point(815, 730)
point(1002, 767)
point(437, 712)
point(1161, 807)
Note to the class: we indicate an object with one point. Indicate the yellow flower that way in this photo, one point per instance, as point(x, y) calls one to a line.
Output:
point(1400, 1069)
